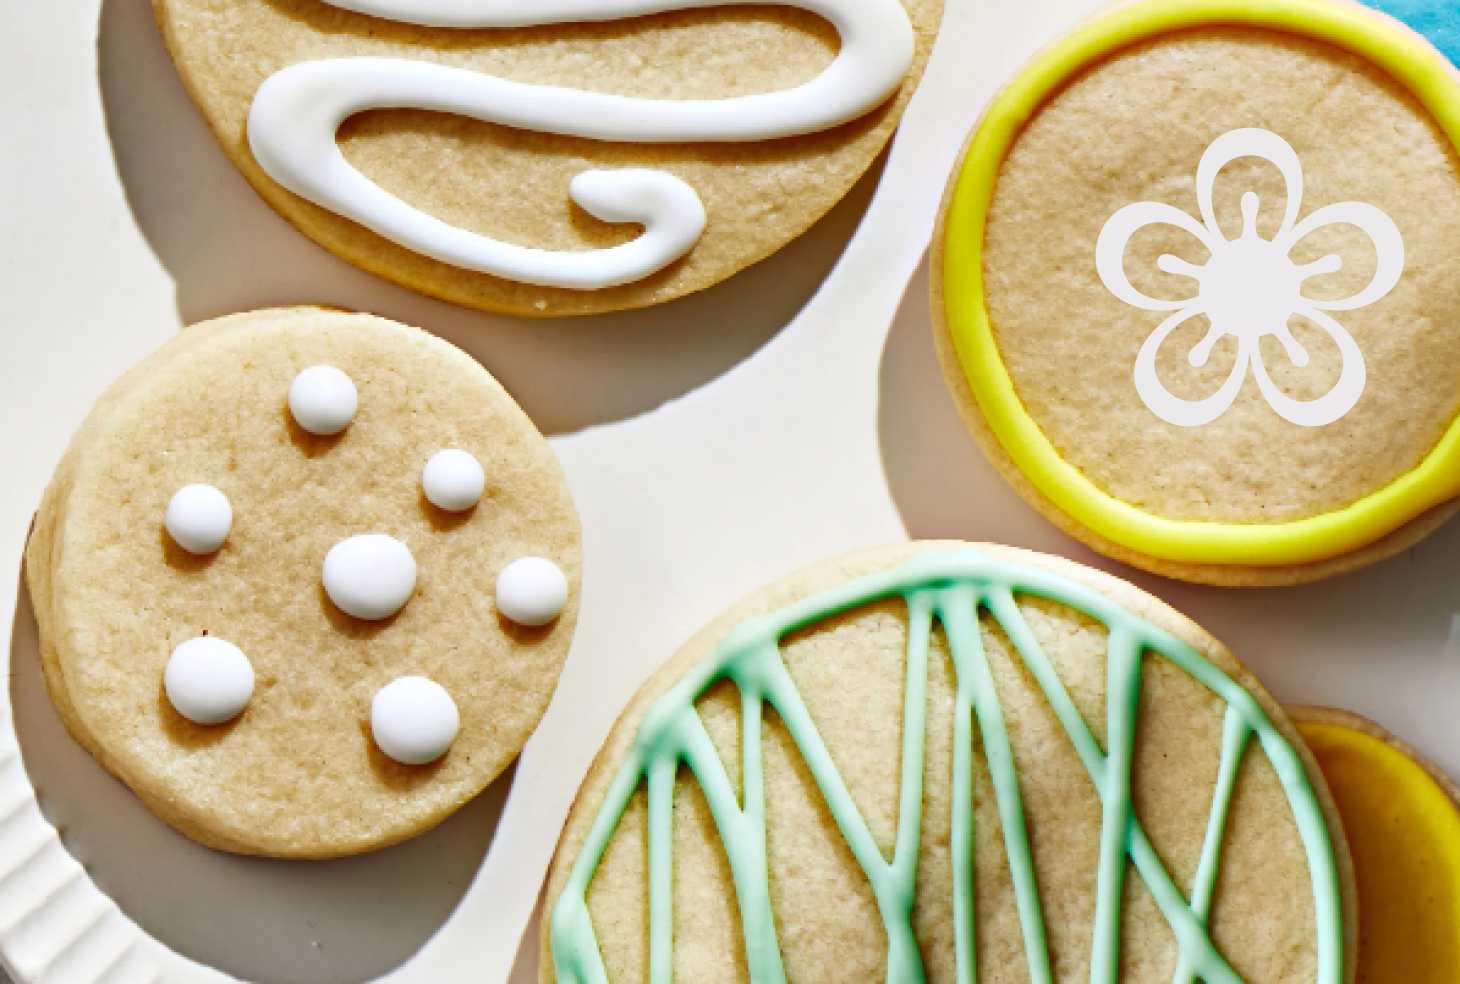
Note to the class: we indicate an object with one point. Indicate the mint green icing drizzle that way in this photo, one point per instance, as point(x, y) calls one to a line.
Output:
point(949, 587)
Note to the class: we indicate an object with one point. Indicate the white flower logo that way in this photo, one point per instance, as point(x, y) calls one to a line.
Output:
point(1250, 287)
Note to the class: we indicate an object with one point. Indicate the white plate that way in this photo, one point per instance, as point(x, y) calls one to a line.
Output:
point(709, 449)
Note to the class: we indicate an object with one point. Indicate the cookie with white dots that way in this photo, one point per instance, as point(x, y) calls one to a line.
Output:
point(265, 610)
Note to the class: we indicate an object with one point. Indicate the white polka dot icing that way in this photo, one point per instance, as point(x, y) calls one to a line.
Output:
point(453, 480)
point(414, 720)
point(198, 518)
point(208, 680)
point(531, 591)
point(323, 400)
point(370, 576)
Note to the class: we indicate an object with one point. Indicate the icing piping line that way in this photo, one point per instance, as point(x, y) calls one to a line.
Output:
point(1235, 738)
point(952, 587)
point(959, 615)
point(296, 113)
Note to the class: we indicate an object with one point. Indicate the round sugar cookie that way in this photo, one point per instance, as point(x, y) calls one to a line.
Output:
point(1194, 287)
point(298, 772)
point(939, 759)
point(1402, 819)
point(567, 157)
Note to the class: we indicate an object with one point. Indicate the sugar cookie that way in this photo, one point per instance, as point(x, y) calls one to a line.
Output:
point(1219, 341)
point(298, 772)
point(941, 759)
point(558, 157)
point(1402, 819)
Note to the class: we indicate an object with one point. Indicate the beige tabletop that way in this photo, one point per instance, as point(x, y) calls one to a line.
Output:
point(711, 445)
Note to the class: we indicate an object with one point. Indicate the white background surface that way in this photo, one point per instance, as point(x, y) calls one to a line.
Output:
point(712, 445)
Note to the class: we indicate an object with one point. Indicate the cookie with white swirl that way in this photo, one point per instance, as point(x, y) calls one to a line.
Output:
point(552, 158)
point(950, 761)
point(305, 581)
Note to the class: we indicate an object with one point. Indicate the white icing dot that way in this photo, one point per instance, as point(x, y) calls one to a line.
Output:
point(370, 576)
point(531, 591)
point(414, 720)
point(453, 480)
point(323, 400)
point(208, 680)
point(198, 518)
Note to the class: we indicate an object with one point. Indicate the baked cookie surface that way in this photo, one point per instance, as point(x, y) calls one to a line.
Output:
point(1402, 820)
point(481, 123)
point(1219, 340)
point(352, 732)
point(939, 758)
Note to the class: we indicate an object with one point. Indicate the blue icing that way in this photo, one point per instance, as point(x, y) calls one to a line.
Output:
point(1438, 20)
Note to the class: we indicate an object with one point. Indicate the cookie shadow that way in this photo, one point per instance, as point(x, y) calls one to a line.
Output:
point(1383, 641)
point(309, 445)
point(179, 559)
point(226, 251)
point(443, 521)
point(941, 484)
point(352, 919)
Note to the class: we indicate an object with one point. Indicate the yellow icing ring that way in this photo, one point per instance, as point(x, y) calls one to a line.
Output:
point(1404, 832)
point(1391, 47)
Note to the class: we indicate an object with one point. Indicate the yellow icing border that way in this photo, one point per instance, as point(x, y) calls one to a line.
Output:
point(1430, 801)
point(1390, 46)
point(1433, 823)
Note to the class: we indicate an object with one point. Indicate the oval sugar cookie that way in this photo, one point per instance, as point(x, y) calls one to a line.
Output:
point(334, 674)
point(551, 158)
point(1194, 287)
point(949, 762)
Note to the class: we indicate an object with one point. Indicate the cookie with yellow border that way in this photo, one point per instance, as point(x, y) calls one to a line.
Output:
point(1194, 286)
point(305, 581)
point(1402, 818)
point(551, 157)
point(951, 761)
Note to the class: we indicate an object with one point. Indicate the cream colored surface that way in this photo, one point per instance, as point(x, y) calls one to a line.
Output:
point(1069, 344)
point(512, 184)
point(850, 672)
point(296, 775)
point(832, 432)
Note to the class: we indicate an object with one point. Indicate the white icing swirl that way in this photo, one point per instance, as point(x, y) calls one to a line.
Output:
point(297, 112)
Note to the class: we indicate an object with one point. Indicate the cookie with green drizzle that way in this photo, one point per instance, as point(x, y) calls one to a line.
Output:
point(941, 761)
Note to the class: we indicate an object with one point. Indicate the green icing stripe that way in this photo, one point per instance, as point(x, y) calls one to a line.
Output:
point(1235, 738)
point(951, 587)
point(959, 611)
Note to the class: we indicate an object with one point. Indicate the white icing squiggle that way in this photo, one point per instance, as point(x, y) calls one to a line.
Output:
point(297, 112)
